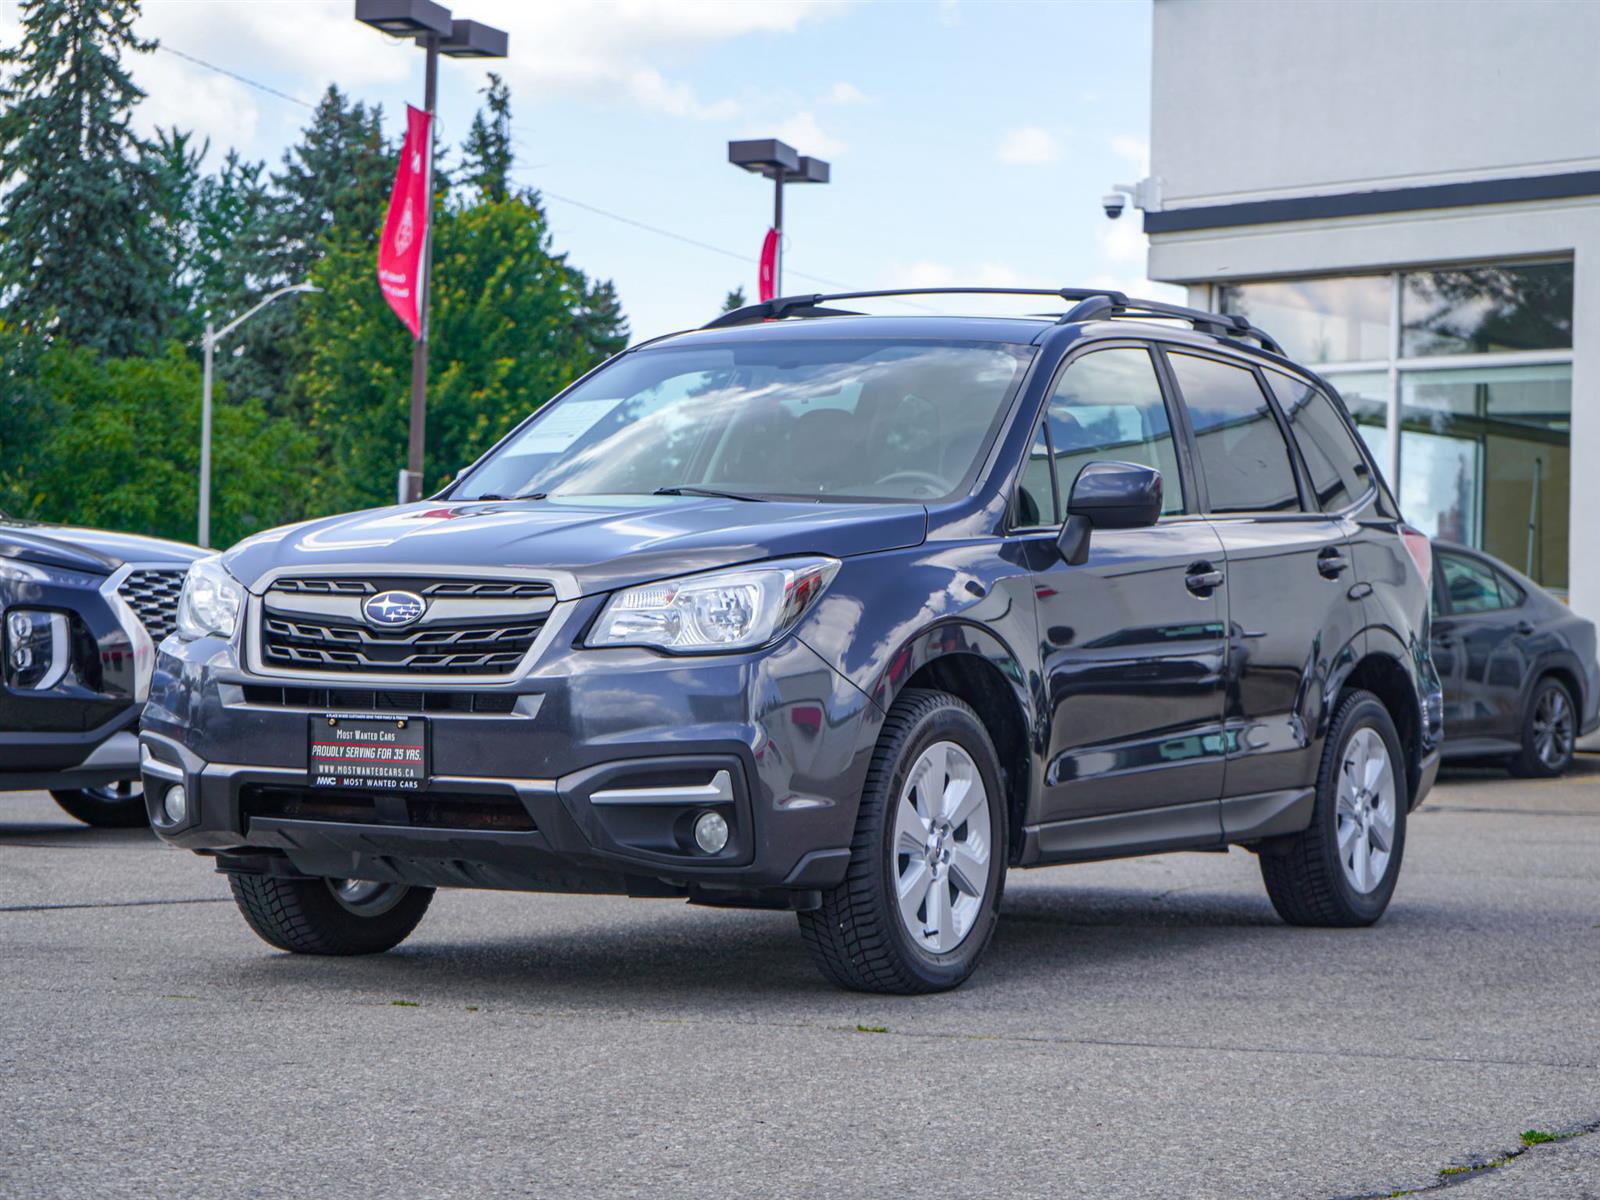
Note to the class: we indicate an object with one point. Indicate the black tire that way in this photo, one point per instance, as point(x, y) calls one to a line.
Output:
point(1537, 759)
point(1305, 877)
point(857, 937)
point(113, 806)
point(303, 916)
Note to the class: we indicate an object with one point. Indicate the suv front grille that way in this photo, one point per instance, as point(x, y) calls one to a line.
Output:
point(153, 596)
point(418, 810)
point(471, 627)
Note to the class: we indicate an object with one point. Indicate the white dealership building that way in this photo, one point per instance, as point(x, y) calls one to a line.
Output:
point(1407, 195)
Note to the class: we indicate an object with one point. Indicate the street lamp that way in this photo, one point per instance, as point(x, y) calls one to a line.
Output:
point(432, 27)
point(209, 342)
point(781, 163)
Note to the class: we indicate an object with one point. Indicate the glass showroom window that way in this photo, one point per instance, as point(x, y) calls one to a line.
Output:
point(1460, 380)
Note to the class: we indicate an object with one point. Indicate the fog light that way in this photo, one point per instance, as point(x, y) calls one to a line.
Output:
point(175, 804)
point(710, 832)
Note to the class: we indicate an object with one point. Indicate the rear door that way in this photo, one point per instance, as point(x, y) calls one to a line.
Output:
point(1294, 608)
point(1132, 644)
point(1480, 643)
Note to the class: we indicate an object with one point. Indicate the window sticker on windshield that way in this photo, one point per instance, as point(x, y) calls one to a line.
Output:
point(561, 426)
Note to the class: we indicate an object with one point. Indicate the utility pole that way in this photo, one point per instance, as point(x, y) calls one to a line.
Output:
point(781, 163)
point(209, 344)
point(431, 27)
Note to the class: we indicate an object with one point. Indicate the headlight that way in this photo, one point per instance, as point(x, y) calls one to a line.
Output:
point(725, 610)
point(211, 601)
point(37, 649)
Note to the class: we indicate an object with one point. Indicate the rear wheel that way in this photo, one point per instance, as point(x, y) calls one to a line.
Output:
point(927, 865)
point(1549, 731)
point(1342, 869)
point(329, 916)
point(117, 805)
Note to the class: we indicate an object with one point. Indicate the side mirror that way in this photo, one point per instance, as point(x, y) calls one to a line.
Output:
point(1108, 495)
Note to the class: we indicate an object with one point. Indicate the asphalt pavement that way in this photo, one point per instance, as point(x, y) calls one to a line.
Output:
point(1146, 1028)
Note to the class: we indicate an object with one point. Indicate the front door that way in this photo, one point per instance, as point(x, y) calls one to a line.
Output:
point(1132, 640)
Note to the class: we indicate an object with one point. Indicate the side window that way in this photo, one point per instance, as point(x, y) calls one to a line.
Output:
point(1474, 587)
point(1338, 472)
point(1108, 405)
point(1036, 500)
point(1242, 452)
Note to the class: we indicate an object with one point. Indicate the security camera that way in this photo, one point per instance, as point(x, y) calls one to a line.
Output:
point(1113, 203)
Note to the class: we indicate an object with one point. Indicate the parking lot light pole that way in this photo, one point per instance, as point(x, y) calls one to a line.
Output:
point(432, 28)
point(208, 342)
point(781, 163)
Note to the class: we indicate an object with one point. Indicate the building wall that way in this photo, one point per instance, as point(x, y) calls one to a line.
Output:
point(1258, 100)
point(1325, 97)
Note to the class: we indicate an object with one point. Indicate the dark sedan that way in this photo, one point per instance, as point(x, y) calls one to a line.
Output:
point(1518, 666)
point(81, 611)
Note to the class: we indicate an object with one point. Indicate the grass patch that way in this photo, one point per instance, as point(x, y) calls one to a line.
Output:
point(1537, 1137)
point(405, 1004)
point(472, 1008)
point(872, 1029)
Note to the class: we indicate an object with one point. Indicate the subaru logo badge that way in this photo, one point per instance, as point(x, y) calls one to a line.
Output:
point(393, 610)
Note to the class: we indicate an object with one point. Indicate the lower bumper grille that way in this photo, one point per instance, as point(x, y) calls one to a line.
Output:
point(420, 810)
point(378, 700)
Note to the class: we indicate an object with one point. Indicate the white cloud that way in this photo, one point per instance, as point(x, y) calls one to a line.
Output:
point(1030, 145)
point(846, 93)
point(626, 51)
point(803, 133)
point(927, 272)
point(949, 12)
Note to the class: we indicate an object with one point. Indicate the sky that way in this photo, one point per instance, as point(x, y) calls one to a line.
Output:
point(970, 142)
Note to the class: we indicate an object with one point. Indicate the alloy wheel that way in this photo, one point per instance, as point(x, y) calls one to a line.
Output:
point(366, 897)
point(941, 850)
point(1366, 810)
point(1552, 728)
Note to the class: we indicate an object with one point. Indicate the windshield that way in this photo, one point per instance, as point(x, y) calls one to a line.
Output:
point(853, 418)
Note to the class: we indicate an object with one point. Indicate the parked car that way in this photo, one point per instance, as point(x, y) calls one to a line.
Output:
point(830, 612)
point(80, 613)
point(1518, 666)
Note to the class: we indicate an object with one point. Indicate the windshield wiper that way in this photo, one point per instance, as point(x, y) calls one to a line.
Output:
point(518, 496)
point(687, 490)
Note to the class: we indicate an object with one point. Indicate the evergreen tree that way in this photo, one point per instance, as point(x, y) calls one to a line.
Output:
point(734, 299)
point(77, 185)
point(487, 151)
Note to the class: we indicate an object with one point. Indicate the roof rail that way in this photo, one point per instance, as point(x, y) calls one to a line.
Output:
point(811, 305)
point(1101, 308)
point(1088, 304)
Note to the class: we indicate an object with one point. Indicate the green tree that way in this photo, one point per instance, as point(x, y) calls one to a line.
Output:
point(77, 185)
point(487, 154)
point(512, 323)
point(734, 299)
point(120, 448)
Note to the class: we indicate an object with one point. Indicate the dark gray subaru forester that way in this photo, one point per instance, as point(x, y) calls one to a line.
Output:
point(829, 612)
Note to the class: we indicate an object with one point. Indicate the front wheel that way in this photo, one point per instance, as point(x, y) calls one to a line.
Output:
point(117, 805)
point(1342, 869)
point(329, 916)
point(1549, 732)
point(927, 865)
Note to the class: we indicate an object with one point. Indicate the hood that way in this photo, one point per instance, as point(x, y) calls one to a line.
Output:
point(95, 550)
point(602, 542)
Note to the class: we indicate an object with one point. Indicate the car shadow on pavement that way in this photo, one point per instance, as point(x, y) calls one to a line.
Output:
point(686, 955)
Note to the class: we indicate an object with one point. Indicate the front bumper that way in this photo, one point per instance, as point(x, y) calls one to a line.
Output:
point(588, 778)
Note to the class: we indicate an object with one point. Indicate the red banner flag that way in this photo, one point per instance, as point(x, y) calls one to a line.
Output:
point(768, 271)
point(405, 230)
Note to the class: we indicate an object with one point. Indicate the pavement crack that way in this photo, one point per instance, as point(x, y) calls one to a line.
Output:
point(1478, 1166)
point(26, 908)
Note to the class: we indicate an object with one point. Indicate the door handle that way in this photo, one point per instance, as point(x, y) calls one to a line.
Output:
point(1202, 578)
point(1525, 627)
point(1331, 563)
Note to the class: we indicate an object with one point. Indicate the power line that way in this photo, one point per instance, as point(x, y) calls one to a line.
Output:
point(200, 62)
point(598, 211)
